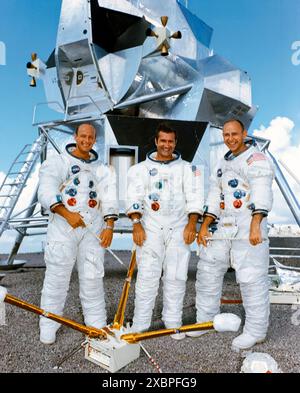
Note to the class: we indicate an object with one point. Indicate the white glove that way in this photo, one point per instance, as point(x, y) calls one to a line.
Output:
point(226, 322)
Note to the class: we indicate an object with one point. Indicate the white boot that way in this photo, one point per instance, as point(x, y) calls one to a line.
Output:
point(97, 325)
point(135, 328)
point(245, 341)
point(197, 333)
point(48, 335)
point(178, 336)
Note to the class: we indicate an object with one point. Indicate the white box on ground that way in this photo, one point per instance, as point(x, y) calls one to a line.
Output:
point(112, 353)
point(278, 297)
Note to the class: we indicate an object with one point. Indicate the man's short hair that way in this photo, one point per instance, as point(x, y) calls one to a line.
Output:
point(164, 127)
point(79, 125)
point(237, 120)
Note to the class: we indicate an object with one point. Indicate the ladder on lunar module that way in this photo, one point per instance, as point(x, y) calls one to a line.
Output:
point(16, 179)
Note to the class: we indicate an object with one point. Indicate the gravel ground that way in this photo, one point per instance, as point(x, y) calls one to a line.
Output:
point(21, 351)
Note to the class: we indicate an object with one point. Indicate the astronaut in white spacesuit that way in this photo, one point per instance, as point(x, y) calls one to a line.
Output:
point(80, 194)
point(240, 197)
point(164, 203)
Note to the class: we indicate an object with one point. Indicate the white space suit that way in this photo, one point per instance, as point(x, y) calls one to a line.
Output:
point(240, 187)
point(164, 193)
point(87, 187)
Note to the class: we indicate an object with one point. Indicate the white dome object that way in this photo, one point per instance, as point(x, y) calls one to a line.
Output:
point(226, 322)
point(258, 362)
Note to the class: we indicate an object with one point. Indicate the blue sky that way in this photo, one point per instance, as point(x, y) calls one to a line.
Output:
point(255, 35)
point(26, 26)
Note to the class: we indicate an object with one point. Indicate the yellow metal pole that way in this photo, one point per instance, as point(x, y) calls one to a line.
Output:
point(119, 317)
point(133, 338)
point(87, 330)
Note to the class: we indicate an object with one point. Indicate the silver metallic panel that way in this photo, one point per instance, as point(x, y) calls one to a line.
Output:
point(122, 6)
point(73, 21)
point(202, 32)
point(221, 108)
point(177, 107)
point(215, 64)
point(158, 74)
point(52, 90)
point(230, 84)
point(188, 46)
point(224, 78)
point(155, 96)
point(154, 9)
point(88, 96)
point(119, 70)
point(80, 80)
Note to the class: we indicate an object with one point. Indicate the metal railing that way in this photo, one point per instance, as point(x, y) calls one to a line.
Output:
point(16, 179)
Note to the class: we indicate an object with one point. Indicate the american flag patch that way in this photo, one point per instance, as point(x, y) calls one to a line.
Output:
point(196, 171)
point(256, 157)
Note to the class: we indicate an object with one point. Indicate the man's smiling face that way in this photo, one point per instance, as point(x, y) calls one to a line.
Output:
point(234, 136)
